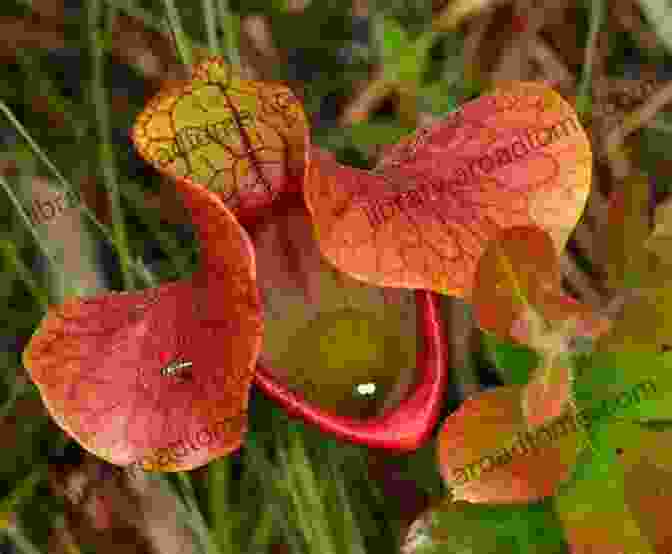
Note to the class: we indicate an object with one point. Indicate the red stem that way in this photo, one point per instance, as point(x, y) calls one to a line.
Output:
point(407, 426)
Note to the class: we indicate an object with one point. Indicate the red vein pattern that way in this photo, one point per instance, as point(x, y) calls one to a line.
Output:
point(421, 219)
point(98, 361)
point(243, 140)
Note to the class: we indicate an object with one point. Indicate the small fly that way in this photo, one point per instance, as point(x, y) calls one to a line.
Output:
point(177, 369)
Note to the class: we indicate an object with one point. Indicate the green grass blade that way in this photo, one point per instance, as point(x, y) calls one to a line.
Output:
point(101, 106)
point(23, 544)
point(148, 19)
point(583, 91)
point(230, 25)
point(223, 517)
point(308, 496)
point(66, 186)
point(24, 490)
point(182, 42)
point(275, 489)
point(8, 251)
point(29, 224)
point(210, 18)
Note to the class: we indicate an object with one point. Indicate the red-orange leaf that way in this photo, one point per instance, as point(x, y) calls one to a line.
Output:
point(518, 287)
point(547, 395)
point(159, 377)
point(487, 454)
point(518, 296)
point(244, 140)
point(518, 267)
point(421, 219)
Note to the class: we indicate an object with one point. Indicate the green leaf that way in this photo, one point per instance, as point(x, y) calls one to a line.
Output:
point(622, 485)
point(364, 135)
point(438, 98)
point(403, 60)
point(465, 528)
point(624, 385)
point(621, 491)
point(513, 362)
point(390, 37)
point(593, 507)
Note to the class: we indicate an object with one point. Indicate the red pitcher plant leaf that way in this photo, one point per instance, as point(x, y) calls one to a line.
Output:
point(159, 377)
point(404, 428)
point(345, 345)
point(487, 452)
point(244, 140)
point(329, 331)
point(517, 156)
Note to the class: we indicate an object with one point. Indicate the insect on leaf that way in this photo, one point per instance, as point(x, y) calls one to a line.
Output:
point(112, 369)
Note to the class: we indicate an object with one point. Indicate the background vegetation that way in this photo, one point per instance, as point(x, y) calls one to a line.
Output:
point(75, 74)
